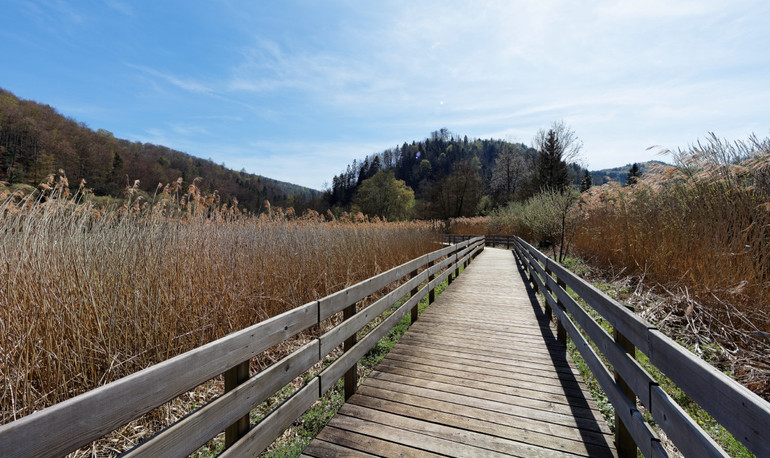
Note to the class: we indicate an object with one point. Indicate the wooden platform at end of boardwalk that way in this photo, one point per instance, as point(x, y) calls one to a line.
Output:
point(481, 373)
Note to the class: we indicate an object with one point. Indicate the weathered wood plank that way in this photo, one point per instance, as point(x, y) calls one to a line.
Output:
point(479, 421)
point(475, 392)
point(187, 435)
point(740, 411)
point(688, 437)
point(549, 380)
point(347, 328)
point(331, 374)
point(370, 444)
point(334, 303)
point(743, 413)
point(442, 353)
point(265, 432)
point(633, 374)
point(573, 390)
point(479, 373)
point(76, 422)
point(555, 430)
point(514, 409)
point(626, 410)
point(411, 439)
point(322, 449)
point(485, 445)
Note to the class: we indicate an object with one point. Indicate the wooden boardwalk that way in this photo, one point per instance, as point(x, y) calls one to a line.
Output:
point(481, 373)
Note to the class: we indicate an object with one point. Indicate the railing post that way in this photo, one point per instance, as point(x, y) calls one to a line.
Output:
point(416, 308)
point(561, 332)
point(548, 310)
point(351, 376)
point(457, 266)
point(234, 377)
point(624, 442)
point(431, 292)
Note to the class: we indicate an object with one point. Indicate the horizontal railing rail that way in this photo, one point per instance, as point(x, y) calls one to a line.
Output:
point(741, 412)
point(489, 239)
point(72, 424)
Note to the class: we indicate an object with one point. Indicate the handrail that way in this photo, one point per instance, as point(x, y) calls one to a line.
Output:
point(489, 239)
point(69, 425)
point(744, 414)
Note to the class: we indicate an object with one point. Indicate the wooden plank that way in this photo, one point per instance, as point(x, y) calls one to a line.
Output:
point(632, 419)
point(485, 376)
point(472, 348)
point(633, 373)
point(688, 437)
point(233, 378)
point(322, 449)
point(370, 444)
point(334, 303)
point(548, 381)
point(524, 360)
point(529, 413)
point(415, 440)
point(440, 387)
point(628, 323)
point(197, 428)
point(524, 389)
point(338, 334)
point(732, 404)
point(570, 387)
point(743, 413)
point(480, 422)
point(71, 424)
point(265, 432)
point(483, 445)
point(331, 374)
point(553, 430)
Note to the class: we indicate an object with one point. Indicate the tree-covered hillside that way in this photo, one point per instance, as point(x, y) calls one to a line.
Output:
point(451, 176)
point(36, 140)
point(619, 174)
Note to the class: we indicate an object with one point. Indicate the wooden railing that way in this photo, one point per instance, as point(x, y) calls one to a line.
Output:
point(744, 414)
point(74, 423)
point(490, 239)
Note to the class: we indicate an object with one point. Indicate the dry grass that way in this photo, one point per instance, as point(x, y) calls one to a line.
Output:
point(476, 225)
point(701, 232)
point(89, 295)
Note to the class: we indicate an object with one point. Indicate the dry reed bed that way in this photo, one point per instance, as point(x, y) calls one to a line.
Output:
point(699, 231)
point(88, 296)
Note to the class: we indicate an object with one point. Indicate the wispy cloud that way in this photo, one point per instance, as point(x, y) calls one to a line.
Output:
point(121, 7)
point(297, 90)
point(186, 84)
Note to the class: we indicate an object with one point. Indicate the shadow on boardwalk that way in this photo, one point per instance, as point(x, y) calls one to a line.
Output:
point(479, 374)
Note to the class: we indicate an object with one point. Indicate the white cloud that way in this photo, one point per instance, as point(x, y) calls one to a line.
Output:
point(625, 75)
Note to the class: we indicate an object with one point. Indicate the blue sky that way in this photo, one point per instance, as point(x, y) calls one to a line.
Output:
point(295, 90)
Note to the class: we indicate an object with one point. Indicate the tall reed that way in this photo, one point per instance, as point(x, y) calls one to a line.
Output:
point(701, 228)
point(89, 295)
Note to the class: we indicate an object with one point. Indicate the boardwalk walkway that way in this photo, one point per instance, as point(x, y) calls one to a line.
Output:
point(480, 374)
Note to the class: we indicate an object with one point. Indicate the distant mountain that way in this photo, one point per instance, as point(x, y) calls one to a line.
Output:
point(36, 140)
point(619, 174)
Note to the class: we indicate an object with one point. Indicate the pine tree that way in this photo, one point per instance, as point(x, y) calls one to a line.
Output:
point(633, 175)
point(587, 182)
point(552, 171)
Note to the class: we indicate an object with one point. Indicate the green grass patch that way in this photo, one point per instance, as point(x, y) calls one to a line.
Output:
point(294, 440)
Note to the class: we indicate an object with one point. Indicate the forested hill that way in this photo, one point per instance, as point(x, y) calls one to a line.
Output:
point(619, 174)
point(36, 140)
point(450, 175)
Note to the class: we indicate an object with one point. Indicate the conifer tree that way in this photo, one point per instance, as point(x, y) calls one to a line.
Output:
point(633, 175)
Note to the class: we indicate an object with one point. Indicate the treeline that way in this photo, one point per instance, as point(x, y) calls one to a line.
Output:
point(450, 176)
point(36, 141)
